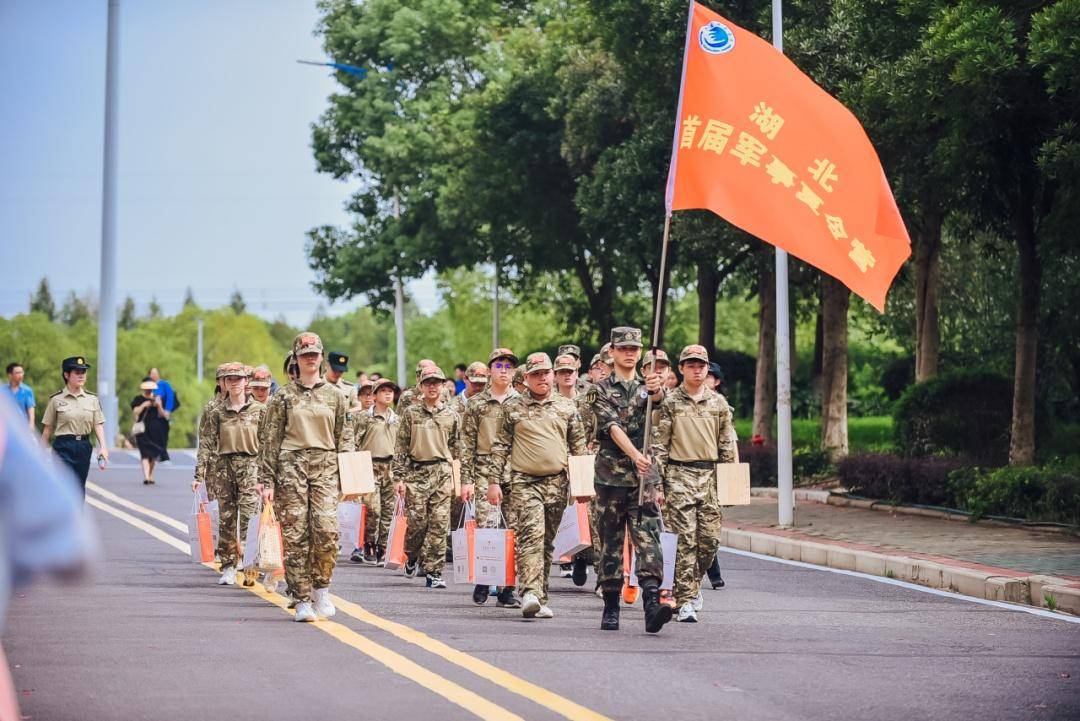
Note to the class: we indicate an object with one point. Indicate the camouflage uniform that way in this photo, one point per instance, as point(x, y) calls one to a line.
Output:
point(232, 440)
point(690, 439)
point(533, 439)
point(378, 433)
point(305, 430)
point(622, 403)
point(425, 469)
point(207, 466)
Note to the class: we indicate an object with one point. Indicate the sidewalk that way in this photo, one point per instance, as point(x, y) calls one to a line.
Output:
point(988, 561)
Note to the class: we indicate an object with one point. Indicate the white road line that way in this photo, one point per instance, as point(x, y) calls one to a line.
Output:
point(912, 586)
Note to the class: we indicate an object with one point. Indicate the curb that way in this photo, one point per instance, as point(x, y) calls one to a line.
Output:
point(801, 494)
point(986, 582)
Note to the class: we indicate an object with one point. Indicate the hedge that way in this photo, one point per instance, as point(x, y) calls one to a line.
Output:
point(889, 477)
point(1049, 493)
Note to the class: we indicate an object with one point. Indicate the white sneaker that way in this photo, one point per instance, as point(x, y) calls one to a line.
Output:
point(323, 606)
point(530, 605)
point(228, 577)
point(697, 602)
point(269, 582)
point(305, 613)
point(687, 614)
point(545, 612)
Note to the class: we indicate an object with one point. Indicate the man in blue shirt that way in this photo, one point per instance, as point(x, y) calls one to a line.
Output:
point(19, 392)
point(165, 390)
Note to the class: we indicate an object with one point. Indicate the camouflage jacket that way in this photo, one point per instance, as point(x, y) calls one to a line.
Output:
point(246, 420)
point(365, 422)
point(448, 421)
point(617, 403)
point(204, 461)
point(524, 408)
point(283, 408)
point(679, 405)
point(482, 410)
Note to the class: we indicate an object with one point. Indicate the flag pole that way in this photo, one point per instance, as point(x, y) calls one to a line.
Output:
point(653, 346)
point(785, 481)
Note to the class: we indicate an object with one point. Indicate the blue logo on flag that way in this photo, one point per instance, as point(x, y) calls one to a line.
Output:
point(716, 38)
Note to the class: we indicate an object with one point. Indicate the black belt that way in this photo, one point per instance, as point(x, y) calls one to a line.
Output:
point(702, 465)
point(74, 438)
point(429, 463)
point(382, 458)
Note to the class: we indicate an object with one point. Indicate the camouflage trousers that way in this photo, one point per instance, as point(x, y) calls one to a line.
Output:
point(427, 511)
point(306, 501)
point(691, 511)
point(382, 498)
point(234, 490)
point(617, 509)
point(538, 505)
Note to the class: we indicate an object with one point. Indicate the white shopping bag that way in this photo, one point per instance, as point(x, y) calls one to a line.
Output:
point(573, 535)
point(669, 543)
point(463, 545)
point(350, 516)
point(494, 554)
point(215, 520)
point(251, 539)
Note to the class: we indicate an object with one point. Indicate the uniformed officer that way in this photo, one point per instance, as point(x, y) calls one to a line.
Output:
point(337, 364)
point(478, 429)
point(72, 415)
point(693, 435)
point(307, 424)
point(375, 431)
point(619, 403)
point(232, 443)
point(537, 432)
point(427, 441)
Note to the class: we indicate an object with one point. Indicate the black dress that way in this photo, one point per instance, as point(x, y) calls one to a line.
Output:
point(152, 443)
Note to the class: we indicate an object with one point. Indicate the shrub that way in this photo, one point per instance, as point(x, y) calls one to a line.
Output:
point(762, 460)
point(1049, 493)
point(739, 372)
point(897, 376)
point(889, 477)
point(965, 413)
point(810, 462)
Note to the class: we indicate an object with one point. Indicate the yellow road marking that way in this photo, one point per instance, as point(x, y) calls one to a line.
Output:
point(110, 496)
point(463, 697)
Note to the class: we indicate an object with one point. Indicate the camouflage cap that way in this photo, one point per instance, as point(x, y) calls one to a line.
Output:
point(661, 357)
point(625, 335)
point(477, 372)
point(566, 362)
point(432, 372)
point(423, 362)
point(383, 382)
point(519, 375)
point(570, 349)
point(305, 343)
point(260, 377)
point(605, 354)
point(218, 373)
point(595, 359)
point(537, 362)
point(694, 352)
point(502, 353)
point(248, 370)
point(233, 369)
point(365, 385)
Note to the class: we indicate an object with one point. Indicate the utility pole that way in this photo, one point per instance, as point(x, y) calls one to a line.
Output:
point(399, 314)
point(106, 360)
point(199, 354)
point(786, 492)
point(495, 312)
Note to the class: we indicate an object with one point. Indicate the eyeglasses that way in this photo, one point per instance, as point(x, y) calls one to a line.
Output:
point(502, 366)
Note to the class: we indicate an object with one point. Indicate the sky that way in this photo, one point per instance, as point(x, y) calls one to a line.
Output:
point(216, 183)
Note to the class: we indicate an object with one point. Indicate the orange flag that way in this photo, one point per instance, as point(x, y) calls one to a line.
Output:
point(760, 144)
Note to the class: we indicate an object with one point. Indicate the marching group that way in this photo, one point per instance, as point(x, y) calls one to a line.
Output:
point(500, 449)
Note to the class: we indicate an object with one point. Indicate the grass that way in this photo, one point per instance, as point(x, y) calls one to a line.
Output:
point(1049, 601)
point(868, 433)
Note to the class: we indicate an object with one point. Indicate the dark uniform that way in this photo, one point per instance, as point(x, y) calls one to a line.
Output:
point(622, 403)
point(74, 417)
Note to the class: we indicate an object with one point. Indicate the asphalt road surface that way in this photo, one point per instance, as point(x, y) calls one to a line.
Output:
point(150, 636)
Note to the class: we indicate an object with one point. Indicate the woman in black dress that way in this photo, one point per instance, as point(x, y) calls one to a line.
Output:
point(153, 438)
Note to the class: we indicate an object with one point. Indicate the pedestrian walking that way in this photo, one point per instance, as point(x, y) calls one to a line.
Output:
point(307, 425)
point(427, 441)
point(206, 467)
point(72, 415)
point(691, 437)
point(21, 394)
point(619, 403)
point(150, 427)
point(260, 384)
point(566, 384)
point(537, 431)
point(375, 431)
point(338, 365)
point(479, 425)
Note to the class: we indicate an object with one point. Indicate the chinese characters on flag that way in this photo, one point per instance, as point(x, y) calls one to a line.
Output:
point(760, 144)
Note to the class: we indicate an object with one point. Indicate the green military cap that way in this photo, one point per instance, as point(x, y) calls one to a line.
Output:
point(570, 349)
point(693, 352)
point(625, 335)
point(537, 362)
point(305, 343)
point(338, 361)
point(74, 363)
point(595, 359)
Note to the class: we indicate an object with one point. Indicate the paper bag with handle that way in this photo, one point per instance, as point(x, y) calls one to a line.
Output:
point(355, 473)
point(251, 538)
point(495, 555)
point(581, 470)
point(350, 526)
point(463, 546)
point(271, 554)
point(395, 540)
point(733, 482)
point(200, 536)
point(574, 534)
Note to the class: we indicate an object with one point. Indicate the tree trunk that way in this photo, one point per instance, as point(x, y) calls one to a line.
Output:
point(834, 308)
point(1022, 436)
point(708, 282)
point(927, 284)
point(791, 338)
point(819, 343)
point(765, 372)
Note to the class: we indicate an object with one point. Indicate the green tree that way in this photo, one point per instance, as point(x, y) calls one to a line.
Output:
point(127, 318)
point(42, 300)
point(75, 310)
point(189, 297)
point(154, 309)
point(236, 302)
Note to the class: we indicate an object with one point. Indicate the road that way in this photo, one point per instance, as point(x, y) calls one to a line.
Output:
point(150, 636)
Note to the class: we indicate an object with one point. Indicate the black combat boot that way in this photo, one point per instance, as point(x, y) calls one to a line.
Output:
point(656, 613)
point(581, 570)
point(610, 620)
point(715, 578)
